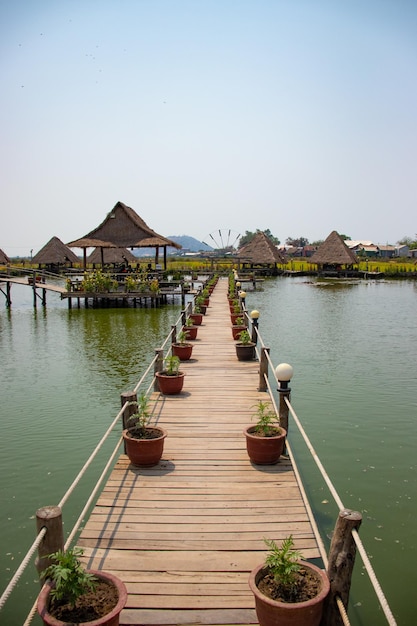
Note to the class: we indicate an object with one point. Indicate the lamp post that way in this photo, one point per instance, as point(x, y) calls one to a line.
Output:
point(237, 287)
point(242, 296)
point(283, 373)
point(254, 317)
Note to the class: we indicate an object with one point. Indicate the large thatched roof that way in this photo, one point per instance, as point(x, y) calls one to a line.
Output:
point(111, 255)
point(123, 228)
point(55, 252)
point(261, 251)
point(3, 257)
point(334, 251)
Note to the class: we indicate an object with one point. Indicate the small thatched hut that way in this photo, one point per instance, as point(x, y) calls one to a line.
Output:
point(261, 253)
point(55, 254)
point(4, 259)
point(115, 256)
point(334, 254)
point(123, 228)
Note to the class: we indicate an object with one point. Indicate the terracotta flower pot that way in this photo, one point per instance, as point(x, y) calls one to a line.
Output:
point(170, 385)
point(237, 329)
point(196, 318)
point(245, 351)
point(273, 613)
point(264, 450)
point(111, 619)
point(191, 332)
point(144, 452)
point(182, 350)
point(236, 316)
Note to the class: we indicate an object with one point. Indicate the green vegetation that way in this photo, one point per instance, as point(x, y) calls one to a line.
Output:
point(267, 420)
point(282, 561)
point(70, 578)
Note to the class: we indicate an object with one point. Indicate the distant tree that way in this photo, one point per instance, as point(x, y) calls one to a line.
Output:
point(248, 236)
point(346, 237)
point(300, 242)
point(408, 241)
point(317, 243)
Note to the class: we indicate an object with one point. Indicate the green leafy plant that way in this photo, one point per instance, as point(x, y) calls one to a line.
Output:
point(267, 423)
point(130, 283)
point(69, 576)
point(182, 337)
point(172, 365)
point(137, 422)
point(189, 322)
point(283, 561)
point(239, 321)
point(245, 338)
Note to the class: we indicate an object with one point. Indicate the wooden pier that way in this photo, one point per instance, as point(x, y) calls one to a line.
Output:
point(185, 534)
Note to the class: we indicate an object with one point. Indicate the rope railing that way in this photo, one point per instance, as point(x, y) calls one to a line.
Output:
point(369, 569)
point(30, 553)
point(361, 549)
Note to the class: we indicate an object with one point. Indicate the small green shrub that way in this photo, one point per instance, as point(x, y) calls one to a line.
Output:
point(69, 576)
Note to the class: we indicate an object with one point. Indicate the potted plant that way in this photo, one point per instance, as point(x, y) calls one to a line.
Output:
point(181, 348)
point(196, 317)
point(190, 328)
point(199, 301)
point(266, 440)
point(237, 327)
point(144, 444)
point(170, 379)
point(74, 595)
point(245, 348)
point(288, 591)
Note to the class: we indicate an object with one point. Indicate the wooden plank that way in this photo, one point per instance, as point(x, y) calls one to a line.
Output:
point(185, 534)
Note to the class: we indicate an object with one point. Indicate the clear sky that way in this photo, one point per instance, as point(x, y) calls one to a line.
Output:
point(297, 116)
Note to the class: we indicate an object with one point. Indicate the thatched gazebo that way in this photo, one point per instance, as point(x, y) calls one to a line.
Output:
point(123, 228)
point(334, 255)
point(4, 259)
point(55, 254)
point(111, 255)
point(261, 252)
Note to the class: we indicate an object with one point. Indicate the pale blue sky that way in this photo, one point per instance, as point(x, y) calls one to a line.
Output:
point(297, 116)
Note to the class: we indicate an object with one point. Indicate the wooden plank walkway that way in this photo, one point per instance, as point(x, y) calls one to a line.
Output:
point(184, 535)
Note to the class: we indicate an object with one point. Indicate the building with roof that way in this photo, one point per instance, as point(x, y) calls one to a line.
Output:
point(334, 255)
point(123, 228)
point(55, 254)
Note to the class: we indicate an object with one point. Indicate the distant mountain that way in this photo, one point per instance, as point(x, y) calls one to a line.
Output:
point(190, 243)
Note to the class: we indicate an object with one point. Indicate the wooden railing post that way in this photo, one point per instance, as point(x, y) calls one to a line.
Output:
point(159, 364)
point(263, 369)
point(341, 561)
point(128, 396)
point(49, 517)
point(283, 407)
point(173, 334)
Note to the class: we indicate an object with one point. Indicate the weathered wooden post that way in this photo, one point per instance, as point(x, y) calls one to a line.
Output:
point(254, 317)
point(50, 518)
point(263, 369)
point(158, 367)
point(341, 561)
point(283, 373)
point(128, 396)
point(173, 334)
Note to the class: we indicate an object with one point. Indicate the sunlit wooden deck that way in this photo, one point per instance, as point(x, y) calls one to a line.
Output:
point(184, 535)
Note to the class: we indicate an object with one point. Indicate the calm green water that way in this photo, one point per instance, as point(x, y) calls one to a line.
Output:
point(353, 348)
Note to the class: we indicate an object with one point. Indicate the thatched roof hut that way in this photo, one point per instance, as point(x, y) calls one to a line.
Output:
point(55, 252)
point(261, 251)
point(112, 255)
point(123, 228)
point(334, 253)
point(4, 258)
